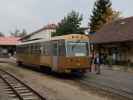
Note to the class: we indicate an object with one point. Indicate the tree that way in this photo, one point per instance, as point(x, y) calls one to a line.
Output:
point(102, 14)
point(24, 32)
point(1, 34)
point(70, 24)
point(17, 33)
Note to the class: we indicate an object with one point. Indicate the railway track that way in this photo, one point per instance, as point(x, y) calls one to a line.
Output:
point(108, 89)
point(16, 89)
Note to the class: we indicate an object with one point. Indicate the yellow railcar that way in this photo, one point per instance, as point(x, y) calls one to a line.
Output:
point(66, 53)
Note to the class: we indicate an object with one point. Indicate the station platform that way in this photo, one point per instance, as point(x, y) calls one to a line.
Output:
point(116, 79)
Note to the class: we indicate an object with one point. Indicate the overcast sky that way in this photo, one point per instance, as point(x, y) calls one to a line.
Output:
point(34, 14)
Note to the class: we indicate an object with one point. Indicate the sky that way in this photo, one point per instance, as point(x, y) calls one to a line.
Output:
point(34, 14)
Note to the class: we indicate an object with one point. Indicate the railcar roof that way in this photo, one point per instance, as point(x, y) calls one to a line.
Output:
point(64, 37)
point(72, 37)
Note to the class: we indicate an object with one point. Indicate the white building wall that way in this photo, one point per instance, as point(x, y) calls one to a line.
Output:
point(45, 34)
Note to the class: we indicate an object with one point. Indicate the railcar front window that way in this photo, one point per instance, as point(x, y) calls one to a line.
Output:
point(77, 48)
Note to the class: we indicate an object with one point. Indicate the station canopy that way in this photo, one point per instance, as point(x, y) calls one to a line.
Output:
point(117, 31)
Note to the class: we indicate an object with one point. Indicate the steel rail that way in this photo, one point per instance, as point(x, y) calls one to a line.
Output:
point(7, 81)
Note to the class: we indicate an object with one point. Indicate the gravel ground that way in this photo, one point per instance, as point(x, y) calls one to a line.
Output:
point(53, 88)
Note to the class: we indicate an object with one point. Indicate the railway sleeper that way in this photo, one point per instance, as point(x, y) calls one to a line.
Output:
point(27, 94)
point(4, 86)
point(13, 82)
point(12, 95)
point(9, 92)
point(24, 91)
point(18, 85)
point(19, 88)
point(7, 88)
point(30, 98)
point(15, 99)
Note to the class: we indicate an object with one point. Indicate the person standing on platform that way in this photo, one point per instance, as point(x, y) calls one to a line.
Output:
point(97, 62)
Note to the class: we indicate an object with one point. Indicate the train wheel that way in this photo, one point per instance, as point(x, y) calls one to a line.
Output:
point(19, 63)
point(45, 69)
point(78, 73)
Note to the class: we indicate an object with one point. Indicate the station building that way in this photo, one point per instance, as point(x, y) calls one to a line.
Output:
point(116, 40)
point(8, 45)
point(42, 33)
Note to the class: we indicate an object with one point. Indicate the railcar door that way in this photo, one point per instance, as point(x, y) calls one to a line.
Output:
point(55, 55)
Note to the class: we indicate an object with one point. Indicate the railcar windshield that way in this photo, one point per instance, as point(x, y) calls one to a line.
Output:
point(77, 48)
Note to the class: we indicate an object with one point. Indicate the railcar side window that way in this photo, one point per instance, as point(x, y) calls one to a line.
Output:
point(36, 48)
point(44, 51)
point(24, 49)
point(31, 48)
point(62, 49)
point(54, 49)
point(19, 49)
point(45, 48)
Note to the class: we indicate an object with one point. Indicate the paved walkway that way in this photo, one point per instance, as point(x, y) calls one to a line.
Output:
point(114, 79)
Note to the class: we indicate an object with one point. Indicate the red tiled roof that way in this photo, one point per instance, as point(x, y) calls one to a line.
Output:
point(118, 31)
point(9, 40)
